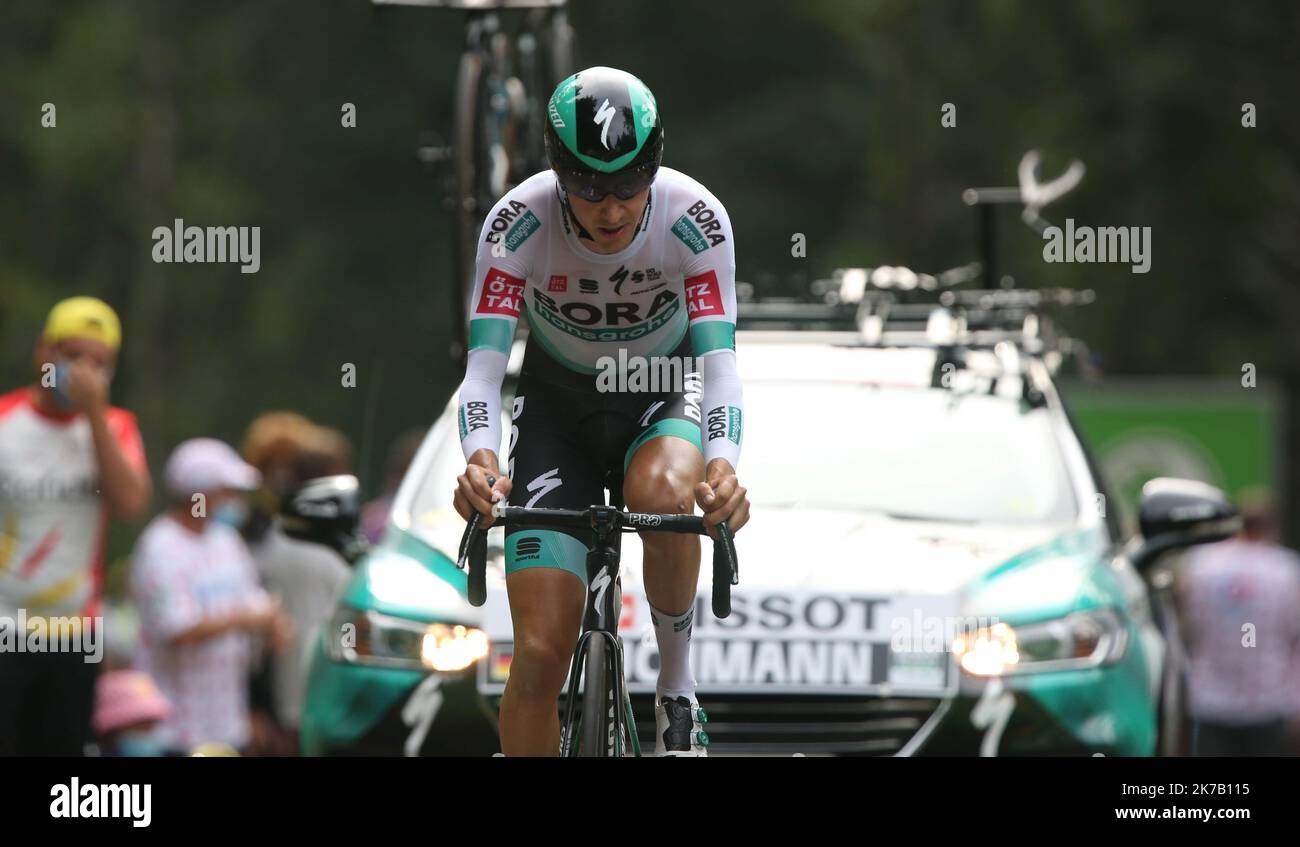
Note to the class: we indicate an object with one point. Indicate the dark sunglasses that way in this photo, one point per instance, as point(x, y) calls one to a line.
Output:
point(594, 187)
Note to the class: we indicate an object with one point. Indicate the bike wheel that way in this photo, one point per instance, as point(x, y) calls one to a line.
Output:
point(633, 742)
point(469, 82)
point(560, 47)
point(594, 737)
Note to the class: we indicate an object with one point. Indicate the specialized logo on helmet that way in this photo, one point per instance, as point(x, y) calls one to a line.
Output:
point(554, 114)
point(605, 129)
point(604, 115)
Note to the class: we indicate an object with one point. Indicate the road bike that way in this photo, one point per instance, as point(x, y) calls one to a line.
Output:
point(603, 725)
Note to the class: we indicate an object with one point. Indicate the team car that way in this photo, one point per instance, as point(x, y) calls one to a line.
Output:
point(933, 565)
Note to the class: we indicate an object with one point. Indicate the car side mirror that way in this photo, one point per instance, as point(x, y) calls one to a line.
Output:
point(325, 510)
point(1177, 513)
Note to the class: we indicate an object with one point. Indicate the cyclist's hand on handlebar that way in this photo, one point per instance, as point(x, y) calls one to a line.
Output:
point(474, 493)
point(721, 496)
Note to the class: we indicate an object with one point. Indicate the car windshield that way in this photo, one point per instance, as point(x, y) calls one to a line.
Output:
point(912, 453)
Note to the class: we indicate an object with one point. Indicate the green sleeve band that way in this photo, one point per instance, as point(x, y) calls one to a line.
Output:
point(712, 335)
point(496, 333)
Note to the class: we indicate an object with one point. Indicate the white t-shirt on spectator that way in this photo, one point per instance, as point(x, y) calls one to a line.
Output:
point(1229, 591)
point(52, 517)
point(178, 579)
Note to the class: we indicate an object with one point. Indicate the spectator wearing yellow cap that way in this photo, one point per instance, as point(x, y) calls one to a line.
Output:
point(68, 461)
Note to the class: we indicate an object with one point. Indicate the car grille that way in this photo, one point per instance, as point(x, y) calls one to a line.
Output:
point(782, 725)
point(774, 724)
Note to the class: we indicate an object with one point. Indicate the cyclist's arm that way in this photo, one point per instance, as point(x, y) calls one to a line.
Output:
point(493, 315)
point(478, 414)
point(710, 280)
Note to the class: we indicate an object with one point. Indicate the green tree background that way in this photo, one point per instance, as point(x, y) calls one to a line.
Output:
point(821, 118)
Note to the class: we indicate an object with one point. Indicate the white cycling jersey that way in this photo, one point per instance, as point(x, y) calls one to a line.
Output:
point(676, 276)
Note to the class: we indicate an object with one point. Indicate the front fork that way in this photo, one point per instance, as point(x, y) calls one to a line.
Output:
point(601, 622)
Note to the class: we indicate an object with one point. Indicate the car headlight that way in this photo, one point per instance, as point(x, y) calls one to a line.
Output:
point(1079, 640)
point(371, 638)
point(452, 648)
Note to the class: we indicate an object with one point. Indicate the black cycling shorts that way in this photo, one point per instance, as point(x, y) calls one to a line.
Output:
point(567, 436)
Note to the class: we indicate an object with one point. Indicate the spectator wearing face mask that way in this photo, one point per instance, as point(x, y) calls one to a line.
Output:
point(305, 578)
point(69, 461)
point(200, 604)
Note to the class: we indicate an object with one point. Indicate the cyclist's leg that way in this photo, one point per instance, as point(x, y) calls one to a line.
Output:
point(661, 478)
point(546, 607)
point(663, 465)
point(545, 569)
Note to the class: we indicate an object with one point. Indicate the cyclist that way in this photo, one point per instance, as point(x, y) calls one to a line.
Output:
point(612, 259)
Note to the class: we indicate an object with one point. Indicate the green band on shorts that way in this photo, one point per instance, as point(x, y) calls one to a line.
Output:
point(677, 427)
point(546, 548)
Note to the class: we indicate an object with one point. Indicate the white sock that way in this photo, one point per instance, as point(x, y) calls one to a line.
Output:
point(673, 632)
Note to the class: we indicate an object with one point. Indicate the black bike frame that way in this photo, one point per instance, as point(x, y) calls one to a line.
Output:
point(600, 621)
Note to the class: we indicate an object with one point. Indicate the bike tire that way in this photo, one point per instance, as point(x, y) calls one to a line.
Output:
point(594, 737)
point(559, 48)
point(633, 739)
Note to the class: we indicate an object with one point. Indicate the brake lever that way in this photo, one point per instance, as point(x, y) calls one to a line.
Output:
point(466, 539)
point(473, 554)
point(726, 570)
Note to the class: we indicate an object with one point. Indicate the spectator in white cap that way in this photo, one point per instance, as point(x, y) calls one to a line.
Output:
point(195, 587)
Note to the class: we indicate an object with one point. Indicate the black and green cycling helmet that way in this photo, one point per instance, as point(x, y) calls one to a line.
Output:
point(603, 134)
